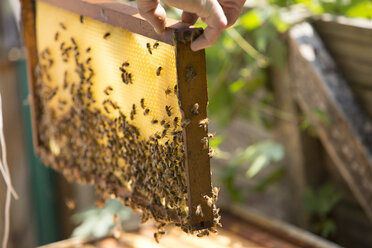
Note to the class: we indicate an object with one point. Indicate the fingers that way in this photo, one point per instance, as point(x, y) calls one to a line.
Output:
point(189, 18)
point(232, 9)
point(217, 22)
point(153, 12)
point(207, 39)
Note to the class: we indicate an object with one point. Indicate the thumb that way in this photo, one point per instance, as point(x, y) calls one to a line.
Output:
point(153, 12)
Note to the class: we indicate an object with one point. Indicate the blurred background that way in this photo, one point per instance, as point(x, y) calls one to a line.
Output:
point(270, 159)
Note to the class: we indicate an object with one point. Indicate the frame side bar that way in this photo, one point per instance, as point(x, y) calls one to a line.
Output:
point(29, 36)
point(192, 83)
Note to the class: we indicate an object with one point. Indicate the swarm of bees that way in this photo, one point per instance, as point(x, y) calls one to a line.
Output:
point(88, 145)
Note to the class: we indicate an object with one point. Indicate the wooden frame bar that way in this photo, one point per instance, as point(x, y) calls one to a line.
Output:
point(193, 89)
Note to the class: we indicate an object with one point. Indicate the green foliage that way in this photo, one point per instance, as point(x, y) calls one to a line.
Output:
point(258, 156)
point(98, 222)
point(269, 180)
point(319, 204)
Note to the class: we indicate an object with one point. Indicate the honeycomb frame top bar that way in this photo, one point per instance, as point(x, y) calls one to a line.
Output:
point(128, 18)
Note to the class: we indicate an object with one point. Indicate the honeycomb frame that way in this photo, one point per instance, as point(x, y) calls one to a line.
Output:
point(191, 80)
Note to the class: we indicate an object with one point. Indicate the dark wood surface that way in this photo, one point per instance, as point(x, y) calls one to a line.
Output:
point(347, 131)
point(192, 83)
point(127, 17)
point(29, 38)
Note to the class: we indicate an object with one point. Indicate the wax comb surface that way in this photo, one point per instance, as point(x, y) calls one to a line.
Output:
point(124, 112)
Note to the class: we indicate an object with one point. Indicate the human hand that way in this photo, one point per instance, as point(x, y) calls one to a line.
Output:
point(217, 14)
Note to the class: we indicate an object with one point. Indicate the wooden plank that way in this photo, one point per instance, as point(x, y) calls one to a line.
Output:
point(192, 83)
point(128, 18)
point(348, 49)
point(290, 137)
point(29, 37)
point(356, 72)
point(347, 132)
point(276, 229)
point(365, 96)
point(351, 29)
point(349, 42)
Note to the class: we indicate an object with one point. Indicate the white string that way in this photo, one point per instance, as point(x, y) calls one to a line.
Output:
point(4, 167)
point(6, 175)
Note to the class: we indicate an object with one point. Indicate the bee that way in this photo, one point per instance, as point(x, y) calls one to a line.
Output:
point(168, 91)
point(88, 60)
point(209, 200)
point(61, 47)
point(211, 135)
point(168, 109)
point(143, 103)
point(217, 221)
point(202, 233)
point(130, 78)
point(62, 26)
point(149, 48)
point(81, 19)
point(215, 190)
point(204, 123)
point(106, 109)
point(156, 45)
point(88, 49)
point(158, 71)
point(166, 125)
point(175, 89)
point(52, 94)
point(107, 90)
point(211, 152)
point(146, 112)
point(195, 109)
point(125, 64)
point(56, 36)
point(65, 84)
point(199, 210)
point(162, 122)
point(156, 234)
point(154, 121)
point(106, 35)
point(157, 135)
point(185, 122)
point(73, 41)
point(72, 89)
point(205, 143)
point(134, 108)
point(175, 121)
point(164, 133)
